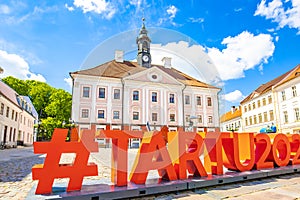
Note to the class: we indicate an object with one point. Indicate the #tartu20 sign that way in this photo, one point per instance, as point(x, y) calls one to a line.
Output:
point(175, 155)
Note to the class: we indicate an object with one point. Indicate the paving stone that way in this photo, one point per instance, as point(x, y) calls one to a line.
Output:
point(16, 181)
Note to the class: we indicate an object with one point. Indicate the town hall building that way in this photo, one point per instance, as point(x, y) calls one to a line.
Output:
point(127, 95)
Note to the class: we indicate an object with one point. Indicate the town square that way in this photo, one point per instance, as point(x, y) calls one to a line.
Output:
point(161, 100)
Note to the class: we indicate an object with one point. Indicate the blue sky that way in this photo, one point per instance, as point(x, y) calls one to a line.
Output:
point(250, 42)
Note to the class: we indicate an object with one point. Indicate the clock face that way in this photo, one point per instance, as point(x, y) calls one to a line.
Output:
point(145, 58)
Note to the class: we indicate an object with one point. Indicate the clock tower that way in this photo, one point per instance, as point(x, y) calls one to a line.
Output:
point(143, 42)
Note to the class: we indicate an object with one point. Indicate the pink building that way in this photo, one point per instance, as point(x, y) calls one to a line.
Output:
point(128, 95)
point(17, 118)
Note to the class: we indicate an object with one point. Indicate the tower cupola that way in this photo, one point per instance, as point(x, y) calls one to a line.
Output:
point(143, 43)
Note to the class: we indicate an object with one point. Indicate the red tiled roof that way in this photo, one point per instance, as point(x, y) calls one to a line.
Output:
point(115, 69)
point(231, 115)
point(268, 86)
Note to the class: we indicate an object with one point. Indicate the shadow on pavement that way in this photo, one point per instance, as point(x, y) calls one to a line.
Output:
point(17, 169)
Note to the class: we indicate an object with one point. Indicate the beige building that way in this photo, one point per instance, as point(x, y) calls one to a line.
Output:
point(287, 102)
point(128, 95)
point(232, 120)
point(273, 106)
point(17, 117)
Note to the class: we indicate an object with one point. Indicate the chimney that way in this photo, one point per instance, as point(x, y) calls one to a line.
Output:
point(232, 109)
point(167, 62)
point(119, 56)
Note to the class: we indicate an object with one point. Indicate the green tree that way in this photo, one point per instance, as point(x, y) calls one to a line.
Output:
point(18, 85)
point(60, 105)
point(47, 127)
point(40, 95)
point(53, 105)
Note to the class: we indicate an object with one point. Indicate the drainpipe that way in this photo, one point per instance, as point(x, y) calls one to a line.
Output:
point(123, 86)
point(183, 119)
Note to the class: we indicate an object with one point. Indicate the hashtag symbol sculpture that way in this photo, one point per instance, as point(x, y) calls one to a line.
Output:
point(51, 169)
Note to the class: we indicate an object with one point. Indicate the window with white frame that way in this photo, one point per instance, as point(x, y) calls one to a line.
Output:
point(283, 97)
point(12, 114)
point(271, 113)
point(200, 121)
point(117, 93)
point(187, 99)
point(294, 91)
point(265, 116)
point(198, 100)
point(187, 118)
point(2, 109)
point(84, 113)
point(135, 95)
point(135, 116)
point(172, 98)
point(210, 119)
point(86, 92)
point(7, 111)
point(101, 114)
point(154, 117)
point(116, 115)
point(286, 116)
point(209, 102)
point(154, 96)
point(269, 99)
point(297, 116)
point(264, 101)
point(101, 93)
point(172, 117)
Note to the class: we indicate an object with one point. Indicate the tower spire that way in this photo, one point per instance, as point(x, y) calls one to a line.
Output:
point(143, 42)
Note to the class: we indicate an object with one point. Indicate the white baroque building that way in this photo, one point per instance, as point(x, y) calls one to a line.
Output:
point(274, 104)
point(129, 95)
point(17, 118)
point(287, 94)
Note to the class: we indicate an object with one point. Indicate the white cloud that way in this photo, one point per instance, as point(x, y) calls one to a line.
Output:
point(196, 20)
point(98, 6)
point(68, 81)
point(190, 59)
point(15, 65)
point(234, 97)
point(4, 9)
point(136, 3)
point(285, 13)
point(238, 9)
point(243, 52)
point(70, 8)
point(35, 14)
point(172, 10)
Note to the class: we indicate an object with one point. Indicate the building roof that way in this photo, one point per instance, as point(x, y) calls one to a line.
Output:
point(115, 69)
point(231, 114)
point(9, 93)
point(275, 82)
point(14, 97)
point(293, 74)
point(32, 111)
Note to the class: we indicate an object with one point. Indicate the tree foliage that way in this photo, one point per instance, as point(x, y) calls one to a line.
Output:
point(18, 85)
point(59, 106)
point(53, 105)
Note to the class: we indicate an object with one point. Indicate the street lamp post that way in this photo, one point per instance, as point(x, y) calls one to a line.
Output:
point(38, 130)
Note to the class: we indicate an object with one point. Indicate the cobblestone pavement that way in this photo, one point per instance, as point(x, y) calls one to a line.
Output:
point(16, 181)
